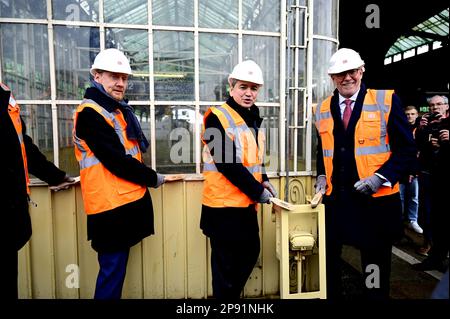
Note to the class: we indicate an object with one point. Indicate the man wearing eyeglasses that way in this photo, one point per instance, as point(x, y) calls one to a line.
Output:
point(365, 147)
point(432, 137)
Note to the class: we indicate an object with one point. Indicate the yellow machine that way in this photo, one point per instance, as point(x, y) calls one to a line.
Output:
point(300, 235)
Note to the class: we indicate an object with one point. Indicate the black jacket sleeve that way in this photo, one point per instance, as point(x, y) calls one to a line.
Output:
point(105, 144)
point(38, 165)
point(320, 165)
point(402, 144)
point(225, 160)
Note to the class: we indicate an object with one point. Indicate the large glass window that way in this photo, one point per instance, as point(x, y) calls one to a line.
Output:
point(173, 63)
point(173, 12)
point(218, 55)
point(25, 9)
point(70, 10)
point(134, 43)
point(75, 51)
point(166, 74)
point(24, 58)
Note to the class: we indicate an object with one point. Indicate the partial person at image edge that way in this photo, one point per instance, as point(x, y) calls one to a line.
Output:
point(21, 157)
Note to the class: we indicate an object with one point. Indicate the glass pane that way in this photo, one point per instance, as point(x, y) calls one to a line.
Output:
point(265, 51)
point(173, 62)
point(218, 55)
point(270, 125)
point(218, 14)
point(322, 84)
point(38, 122)
point(24, 58)
point(134, 43)
point(25, 9)
point(174, 139)
point(173, 12)
point(261, 15)
point(129, 12)
point(142, 112)
point(75, 51)
point(301, 149)
point(295, 108)
point(325, 17)
point(67, 160)
point(70, 10)
point(297, 136)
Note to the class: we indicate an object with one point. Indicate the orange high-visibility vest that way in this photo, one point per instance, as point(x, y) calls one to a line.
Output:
point(102, 190)
point(14, 114)
point(372, 148)
point(218, 191)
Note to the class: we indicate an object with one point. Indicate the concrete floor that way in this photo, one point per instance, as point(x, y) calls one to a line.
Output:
point(406, 283)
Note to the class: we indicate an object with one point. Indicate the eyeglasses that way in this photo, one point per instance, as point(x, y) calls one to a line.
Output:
point(437, 104)
point(342, 75)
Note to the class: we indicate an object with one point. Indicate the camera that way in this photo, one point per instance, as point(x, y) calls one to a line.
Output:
point(433, 116)
point(434, 128)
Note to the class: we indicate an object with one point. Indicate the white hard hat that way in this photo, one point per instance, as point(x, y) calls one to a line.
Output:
point(344, 60)
point(247, 71)
point(111, 60)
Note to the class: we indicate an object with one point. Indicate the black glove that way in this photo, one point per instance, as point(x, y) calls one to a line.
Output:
point(369, 185)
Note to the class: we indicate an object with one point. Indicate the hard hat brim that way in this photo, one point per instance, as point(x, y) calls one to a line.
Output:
point(92, 71)
point(338, 70)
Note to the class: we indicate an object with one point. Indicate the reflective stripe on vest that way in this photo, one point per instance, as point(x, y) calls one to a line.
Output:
point(102, 190)
point(14, 114)
point(218, 191)
point(372, 148)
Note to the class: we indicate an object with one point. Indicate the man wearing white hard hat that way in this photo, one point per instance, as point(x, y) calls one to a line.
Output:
point(365, 147)
point(235, 181)
point(109, 143)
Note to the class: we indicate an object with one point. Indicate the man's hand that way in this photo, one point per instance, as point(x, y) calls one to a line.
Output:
point(369, 185)
point(444, 135)
point(65, 184)
point(267, 185)
point(265, 197)
point(321, 184)
point(160, 179)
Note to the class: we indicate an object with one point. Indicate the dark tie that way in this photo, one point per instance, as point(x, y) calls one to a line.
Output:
point(347, 112)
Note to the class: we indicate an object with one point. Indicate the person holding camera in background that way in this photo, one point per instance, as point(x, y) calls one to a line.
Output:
point(432, 137)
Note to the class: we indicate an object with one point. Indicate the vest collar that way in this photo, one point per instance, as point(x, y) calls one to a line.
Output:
point(106, 102)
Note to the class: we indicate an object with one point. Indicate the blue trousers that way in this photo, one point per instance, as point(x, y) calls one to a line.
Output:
point(111, 275)
point(409, 194)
